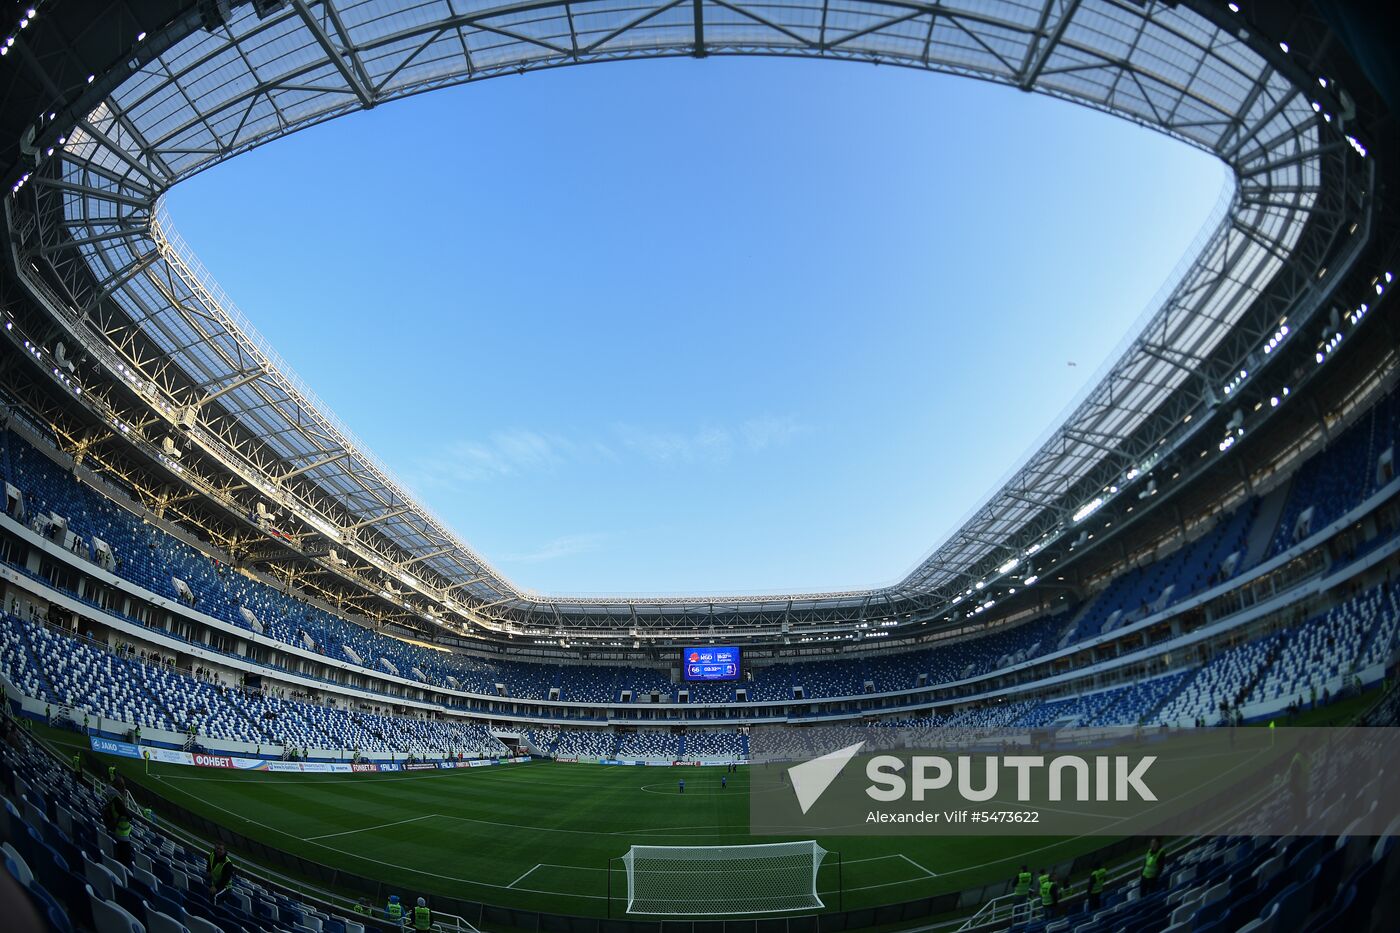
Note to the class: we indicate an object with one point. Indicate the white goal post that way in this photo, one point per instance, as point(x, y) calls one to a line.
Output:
point(716, 881)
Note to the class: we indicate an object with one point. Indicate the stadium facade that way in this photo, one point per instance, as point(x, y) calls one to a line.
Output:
point(1210, 532)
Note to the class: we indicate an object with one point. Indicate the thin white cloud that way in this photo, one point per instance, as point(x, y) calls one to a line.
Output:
point(503, 454)
point(712, 444)
point(518, 451)
point(563, 546)
point(770, 431)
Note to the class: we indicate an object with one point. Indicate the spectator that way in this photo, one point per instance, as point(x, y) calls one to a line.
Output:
point(1023, 882)
point(1152, 866)
point(1049, 894)
point(221, 872)
point(1299, 780)
point(1098, 879)
point(116, 815)
point(422, 916)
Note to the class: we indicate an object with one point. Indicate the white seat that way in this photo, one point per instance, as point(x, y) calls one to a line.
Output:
point(22, 873)
point(117, 869)
point(108, 917)
point(157, 922)
point(99, 878)
point(1215, 893)
point(200, 925)
point(1182, 877)
point(146, 878)
point(64, 818)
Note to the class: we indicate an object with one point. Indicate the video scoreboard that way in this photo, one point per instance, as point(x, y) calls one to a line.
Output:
point(710, 663)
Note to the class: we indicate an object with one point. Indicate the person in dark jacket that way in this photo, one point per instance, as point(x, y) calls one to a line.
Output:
point(116, 816)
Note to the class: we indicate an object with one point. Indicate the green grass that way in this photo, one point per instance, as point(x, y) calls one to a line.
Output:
point(539, 836)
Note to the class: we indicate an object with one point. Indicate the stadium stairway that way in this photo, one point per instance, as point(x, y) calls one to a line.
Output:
point(1265, 527)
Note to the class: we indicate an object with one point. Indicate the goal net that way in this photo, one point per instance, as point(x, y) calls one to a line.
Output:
point(713, 881)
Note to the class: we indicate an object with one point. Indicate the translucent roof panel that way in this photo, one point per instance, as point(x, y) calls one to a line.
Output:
point(215, 94)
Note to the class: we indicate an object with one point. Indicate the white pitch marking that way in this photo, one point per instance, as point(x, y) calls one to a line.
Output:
point(368, 829)
point(931, 874)
point(528, 872)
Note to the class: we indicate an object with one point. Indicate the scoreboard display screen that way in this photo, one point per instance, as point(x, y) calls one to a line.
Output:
point(710, 663)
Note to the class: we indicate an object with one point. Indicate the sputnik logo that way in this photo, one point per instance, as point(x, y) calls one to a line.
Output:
point(811, 778)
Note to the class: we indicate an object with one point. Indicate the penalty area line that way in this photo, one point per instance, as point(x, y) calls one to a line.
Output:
point(931, 874)
point(528, 872)
point(369, 829)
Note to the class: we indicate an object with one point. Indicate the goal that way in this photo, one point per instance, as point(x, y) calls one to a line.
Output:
point(715, 881)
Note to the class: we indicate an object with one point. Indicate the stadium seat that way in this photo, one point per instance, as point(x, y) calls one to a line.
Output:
point(1266, 923)
point(109, 918)
point(16, 865)
point(100, 879)
point(157, 922)
point(198, 924)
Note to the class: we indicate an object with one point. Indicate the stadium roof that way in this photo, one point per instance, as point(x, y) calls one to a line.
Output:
point(140, 302)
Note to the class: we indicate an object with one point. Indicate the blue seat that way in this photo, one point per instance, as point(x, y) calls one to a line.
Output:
point(58, 919)
point(41, 895)
point(1367, 882)
point(1295, 900)
point(41, 846)
point(131, 902)
point(166, 905)
point(1334, 919)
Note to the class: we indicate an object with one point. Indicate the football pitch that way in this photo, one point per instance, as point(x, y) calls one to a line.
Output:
point(540, 836)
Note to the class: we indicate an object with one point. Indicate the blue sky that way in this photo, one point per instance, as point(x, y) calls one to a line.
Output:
point(702, 326)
